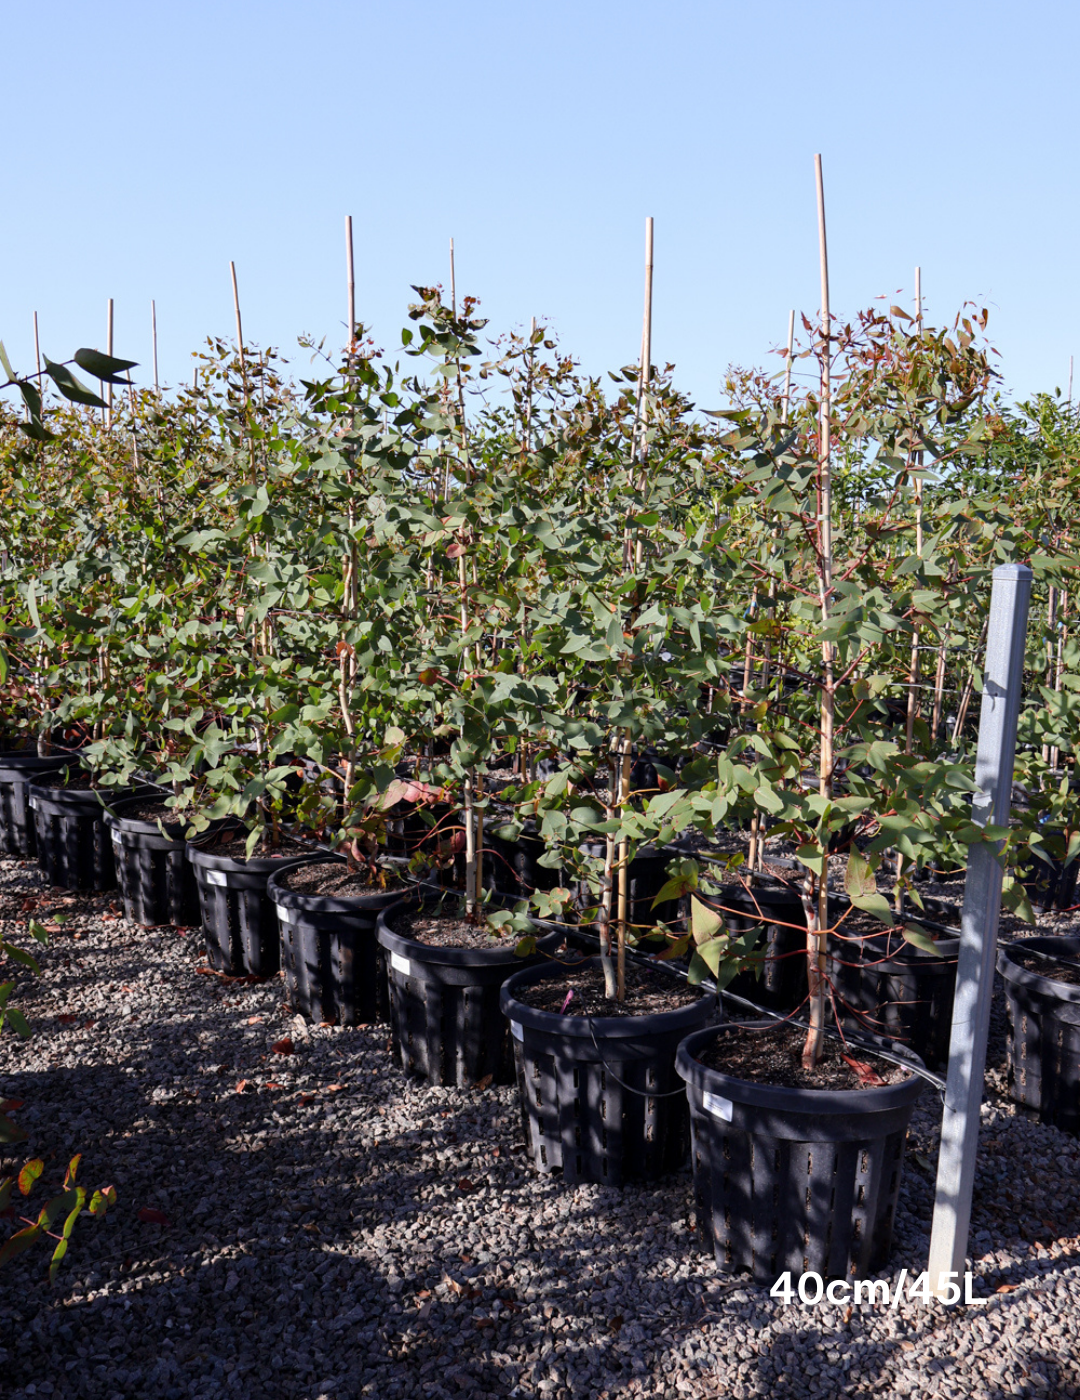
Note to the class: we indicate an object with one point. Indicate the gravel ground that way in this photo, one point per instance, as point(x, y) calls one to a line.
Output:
point(322, 1227)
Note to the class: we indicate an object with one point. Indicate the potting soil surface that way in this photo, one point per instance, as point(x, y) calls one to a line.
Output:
point(297, 1219)
point(234, 845)
point(647, 993)
point(451, 931)
point(774, 1056)
point(334, 879)
point(1057, 969)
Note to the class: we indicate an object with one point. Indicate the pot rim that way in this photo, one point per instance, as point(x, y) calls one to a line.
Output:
point(780, 1099)
point(585, 1027)
point(448, 956)
point(1036, 981)
point(324, 903)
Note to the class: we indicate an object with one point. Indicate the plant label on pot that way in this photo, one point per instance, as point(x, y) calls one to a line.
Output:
point(285, 915)
point(116, 839)
point(33, 803)
point(516, 1031)
point(718, 1107)
point(217, 877)
point(400, 964)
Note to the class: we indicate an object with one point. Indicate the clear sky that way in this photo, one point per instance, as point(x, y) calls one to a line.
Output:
point(147, 144)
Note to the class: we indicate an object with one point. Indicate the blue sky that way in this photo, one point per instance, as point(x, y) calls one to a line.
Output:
point(149, 144)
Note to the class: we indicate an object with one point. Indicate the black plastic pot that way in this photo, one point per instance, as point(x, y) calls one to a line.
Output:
point(1051, 884)
point(1043, 1034)
point(647, 875)
point(444, 1002)
point(17, 771)
point(599, 1095)
point(782, 985)
point(513, 867)
point(156, 880)
point(74, 847)
point(239, 920)
point(794, 1179)
point(334, 967)
point(888, 987)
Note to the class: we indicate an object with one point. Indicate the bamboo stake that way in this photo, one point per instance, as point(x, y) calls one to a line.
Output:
point(1051, 627)
point(787, 363)
point(350, 285)
point(108, 351)
point(153, 331)
point(817, 911)
point(625, 743)
point(239, 325)
point(1070, 377)
point(1059, 667)
point(913, 665)
point(37, 357)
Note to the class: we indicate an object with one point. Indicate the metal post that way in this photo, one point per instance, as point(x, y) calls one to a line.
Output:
point(1002, 682)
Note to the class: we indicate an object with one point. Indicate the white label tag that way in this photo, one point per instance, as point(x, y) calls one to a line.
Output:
point(33, 803)
point(116, 838)
point(516, 1031)
point(718, 1107)
point(400, 964)
point(217, 877)
point(285, 915)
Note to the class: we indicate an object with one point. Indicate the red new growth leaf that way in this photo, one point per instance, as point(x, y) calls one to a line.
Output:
point(867, 1077)
point(282, 1047)
point(152, 1216)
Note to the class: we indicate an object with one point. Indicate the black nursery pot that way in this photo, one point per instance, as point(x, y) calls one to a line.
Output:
point(898, 991)
point(647, 876)
point(17, 771)
point(239, 920)
point(74, 847)
point(156, 878)
point(444, 1002)
point(805, 1180)
point(782, 985)
point(600, 1098)
point(334, 967)
point(1051, 884)
point(1043, 1043)
point(513, 867)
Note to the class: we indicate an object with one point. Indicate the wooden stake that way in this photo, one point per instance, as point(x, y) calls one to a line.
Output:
point(817, 912)
point(787, 363)
point(1070, 377)
point(239, 326)
point(108, 351)
point(153, 331)
point(350, 285)
point(913, 664)
point(37, 357)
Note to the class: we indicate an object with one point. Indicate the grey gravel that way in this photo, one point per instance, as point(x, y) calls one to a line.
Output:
point(337, 1231)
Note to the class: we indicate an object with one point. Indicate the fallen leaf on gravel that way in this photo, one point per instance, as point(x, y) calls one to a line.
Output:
point(482, 1322)
point(483, 1083)
point(305, 1099)
point(495, 1152)
point(242, 1085)
point(464, 1184)
point(253, 1021)
point(273, 1086)
point(424, 1293)
point(67, 1018)
point(29, 903)
point(333, 1088)
point(152, 1216)
point(616, 1323)
point(282, 1047)
point(1006, 1288)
